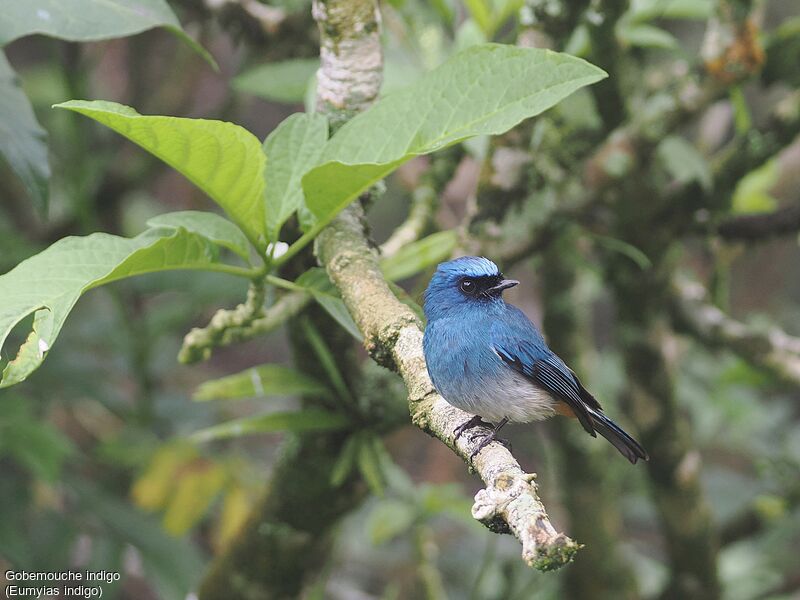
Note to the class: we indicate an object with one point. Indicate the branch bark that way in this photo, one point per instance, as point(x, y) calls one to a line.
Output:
point(762, 226)
point(772, 349)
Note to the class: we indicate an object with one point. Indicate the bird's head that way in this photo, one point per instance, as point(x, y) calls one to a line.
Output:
point(469, 281)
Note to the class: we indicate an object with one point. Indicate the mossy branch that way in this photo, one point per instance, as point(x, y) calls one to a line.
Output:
point(245, 322)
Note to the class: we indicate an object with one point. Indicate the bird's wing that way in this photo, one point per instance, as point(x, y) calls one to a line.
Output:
point(550, 373)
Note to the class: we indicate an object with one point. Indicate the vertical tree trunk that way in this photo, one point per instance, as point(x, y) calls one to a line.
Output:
point(674, 466)
point(599, 572)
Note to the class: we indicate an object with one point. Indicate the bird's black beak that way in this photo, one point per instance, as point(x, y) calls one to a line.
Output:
point(504, 284)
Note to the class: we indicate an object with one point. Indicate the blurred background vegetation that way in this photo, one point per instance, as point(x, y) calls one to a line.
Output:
point(693, 134)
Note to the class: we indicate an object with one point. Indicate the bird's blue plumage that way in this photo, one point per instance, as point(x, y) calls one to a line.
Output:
point(487, 358)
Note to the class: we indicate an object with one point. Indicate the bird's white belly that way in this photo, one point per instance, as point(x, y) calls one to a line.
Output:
point(513, 397)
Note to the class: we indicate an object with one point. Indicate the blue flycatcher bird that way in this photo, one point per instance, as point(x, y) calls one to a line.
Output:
point(485, 357)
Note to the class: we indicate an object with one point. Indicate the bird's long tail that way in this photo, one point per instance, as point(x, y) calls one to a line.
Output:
point(628, 447)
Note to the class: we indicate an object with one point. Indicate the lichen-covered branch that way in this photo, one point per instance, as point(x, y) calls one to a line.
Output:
point(770, 349)
point(245, 322)
point(393, 337)
point(351, 57)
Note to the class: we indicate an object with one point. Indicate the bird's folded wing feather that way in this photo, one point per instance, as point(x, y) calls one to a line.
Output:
point(550, 373)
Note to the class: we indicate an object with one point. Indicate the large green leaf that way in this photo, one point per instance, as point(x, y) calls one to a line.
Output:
point(483, 90)
point(217, 229)
point(49, 284)
point(292, 149)
point(297, 422)
point(258, 382)
point(22, 140)
point(88, 20)
point(222, 159)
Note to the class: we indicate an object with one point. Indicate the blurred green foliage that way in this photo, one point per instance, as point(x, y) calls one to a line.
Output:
point(96, 459)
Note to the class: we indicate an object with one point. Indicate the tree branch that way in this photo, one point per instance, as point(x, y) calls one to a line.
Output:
point(245, 322)
point(758, 227)
point(772, 350)
point(393, 337)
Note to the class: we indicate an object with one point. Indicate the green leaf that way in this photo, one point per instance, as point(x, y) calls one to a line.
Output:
point(483, 90)
point(285, 81)
point(741, 111)
point(292, 149)
point(420, 255)
point(23, 142)
point(326, 360)
point(222, 159)
point(469, 33)
point(616, 245)
point(32, 441)
point(369, 463)
point(89, 20)
point(753, 191)
point(259, 382)
point(297, 422)
point(390, 519)
point(645, 36)
point(683, 162)
point(316, 282)
point(646, 10)
point(345, 462)
point(480, 13)
point(217, 229)
point(49, 284)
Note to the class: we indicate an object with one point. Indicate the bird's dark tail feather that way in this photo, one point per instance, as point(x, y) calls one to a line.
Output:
point(628, 447)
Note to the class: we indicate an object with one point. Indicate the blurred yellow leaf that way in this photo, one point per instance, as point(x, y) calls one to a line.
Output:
point(235, 508)
point(752, 193)
point(196, 489)
point(770, 506)
point(153, 488)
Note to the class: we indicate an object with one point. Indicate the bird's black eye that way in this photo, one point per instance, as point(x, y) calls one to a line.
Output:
point(468, 286)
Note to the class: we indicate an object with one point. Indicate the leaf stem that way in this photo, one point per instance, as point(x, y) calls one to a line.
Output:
point(285, 284)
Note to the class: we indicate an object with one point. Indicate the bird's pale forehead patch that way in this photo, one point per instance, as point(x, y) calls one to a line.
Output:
point(473, 266)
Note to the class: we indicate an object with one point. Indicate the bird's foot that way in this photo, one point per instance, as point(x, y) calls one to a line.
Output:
point(488, 439)
point(473, 422)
